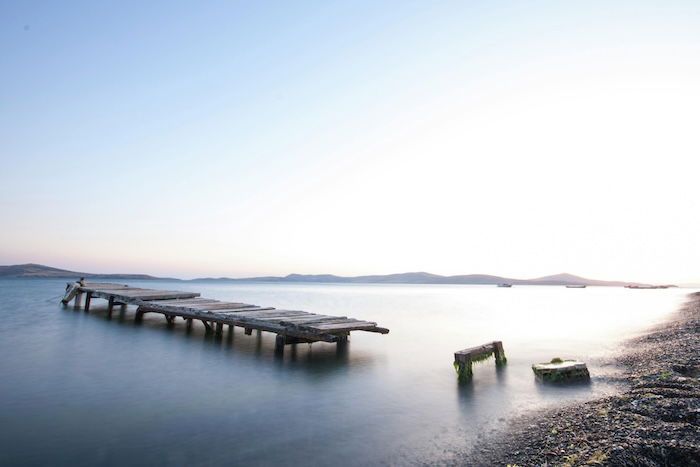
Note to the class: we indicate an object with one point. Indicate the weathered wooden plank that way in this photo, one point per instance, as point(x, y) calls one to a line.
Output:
point(377, 329)
point(72, 290)
point(194, 308)
point(223, 306)
point(188, 301)
point(151, 294)
point(311, 318)
point(274, 312)
point(134, 297)
point(287, 318)
point(269, 313)
point(103, 285)
point(236, 310)
point(343, 326)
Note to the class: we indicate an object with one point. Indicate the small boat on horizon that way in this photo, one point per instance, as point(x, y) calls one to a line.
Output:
point(505, 284)
point(575, 286)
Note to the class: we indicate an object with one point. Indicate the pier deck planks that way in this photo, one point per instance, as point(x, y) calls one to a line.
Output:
point(290, 325)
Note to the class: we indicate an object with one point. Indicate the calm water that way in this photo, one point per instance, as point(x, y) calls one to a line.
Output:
point(79, 389)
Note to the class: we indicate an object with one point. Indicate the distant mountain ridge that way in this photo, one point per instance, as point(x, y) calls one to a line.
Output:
point(41, 271)
point(428, 278)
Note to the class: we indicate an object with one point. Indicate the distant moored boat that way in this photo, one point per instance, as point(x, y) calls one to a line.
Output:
point(575, 286)
point(504, 284)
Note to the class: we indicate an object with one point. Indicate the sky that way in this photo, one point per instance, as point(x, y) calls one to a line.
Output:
point(237, 139)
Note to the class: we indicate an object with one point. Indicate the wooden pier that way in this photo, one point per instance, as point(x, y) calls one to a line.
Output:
point(291, 326)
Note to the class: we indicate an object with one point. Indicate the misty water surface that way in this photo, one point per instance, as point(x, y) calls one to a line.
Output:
point(79, 389)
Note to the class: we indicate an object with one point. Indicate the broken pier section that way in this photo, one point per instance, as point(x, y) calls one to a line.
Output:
point(291, 326)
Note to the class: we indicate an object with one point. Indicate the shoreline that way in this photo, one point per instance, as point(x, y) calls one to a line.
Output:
point(655, 421)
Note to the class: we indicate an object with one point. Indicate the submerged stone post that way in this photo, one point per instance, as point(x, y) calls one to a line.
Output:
point(499, 354)
point(463, 365)
point(465, 358)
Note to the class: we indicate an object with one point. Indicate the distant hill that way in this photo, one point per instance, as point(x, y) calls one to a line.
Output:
point(38, 270)
point(427, 278)
point(570, 279)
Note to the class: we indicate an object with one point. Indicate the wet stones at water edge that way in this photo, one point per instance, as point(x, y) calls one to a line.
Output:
point(560, 371)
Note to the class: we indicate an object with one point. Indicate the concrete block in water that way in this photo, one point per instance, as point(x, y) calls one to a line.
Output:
point(561, 371)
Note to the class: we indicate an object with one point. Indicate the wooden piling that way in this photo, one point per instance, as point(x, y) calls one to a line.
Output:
point(110, 306)
point(280, 341)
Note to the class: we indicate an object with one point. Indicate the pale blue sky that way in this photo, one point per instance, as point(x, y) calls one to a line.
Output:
point(222, 138)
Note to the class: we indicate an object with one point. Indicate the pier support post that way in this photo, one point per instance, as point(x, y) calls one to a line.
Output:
point(139, 315)
point(110, 306)
point(219, 329)
point(88, 298)
point(248, 331)
point(78, 299)
point(342, 339)
point(280, 341)
point(206, 326)
point(189, 323)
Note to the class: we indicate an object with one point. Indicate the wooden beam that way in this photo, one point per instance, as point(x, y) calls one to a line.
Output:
point(88, 298)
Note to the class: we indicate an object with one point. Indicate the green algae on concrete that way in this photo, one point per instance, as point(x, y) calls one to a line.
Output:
point(558, 370)
point(465, 358)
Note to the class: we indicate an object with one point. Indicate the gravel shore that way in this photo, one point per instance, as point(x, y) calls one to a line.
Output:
point(656, 422)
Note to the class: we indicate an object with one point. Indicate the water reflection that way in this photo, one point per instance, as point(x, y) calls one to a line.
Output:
point(319, 359)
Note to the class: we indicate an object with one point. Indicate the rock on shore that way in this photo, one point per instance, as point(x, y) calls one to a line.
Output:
point(656, 422)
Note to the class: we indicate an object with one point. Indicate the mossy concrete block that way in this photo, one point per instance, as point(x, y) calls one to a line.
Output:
point(561, 371)
point(465, 358)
